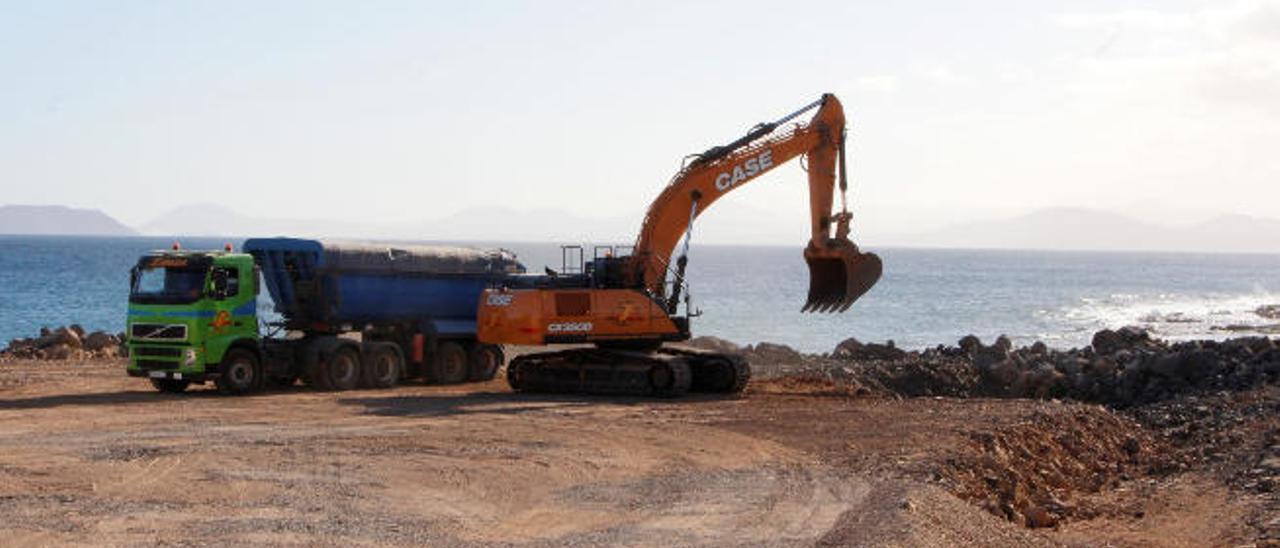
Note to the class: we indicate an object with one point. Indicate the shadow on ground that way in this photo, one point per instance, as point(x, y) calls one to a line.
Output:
point(501, 403)
point(389, 405)
point(121, 397)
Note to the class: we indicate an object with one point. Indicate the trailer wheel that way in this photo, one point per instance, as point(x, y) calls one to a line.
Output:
point(383, 365)
point(170, 386)
point(241, 372)
point(450, 363)
point(485, 359)
point(343, 368)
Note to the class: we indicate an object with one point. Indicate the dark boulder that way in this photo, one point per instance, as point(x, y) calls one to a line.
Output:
point(1126, 338)
point(1003, 342)
point(970, 343)
point(714, 344)
point(99, 340)
point(1269, 311)
point(770, 353)
point(852, 349)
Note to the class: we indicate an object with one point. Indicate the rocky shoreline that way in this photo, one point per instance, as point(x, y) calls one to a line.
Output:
point(66, 343)
point(1121, 368)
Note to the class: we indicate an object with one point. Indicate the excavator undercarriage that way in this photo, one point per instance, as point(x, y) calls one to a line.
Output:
point(664, 372)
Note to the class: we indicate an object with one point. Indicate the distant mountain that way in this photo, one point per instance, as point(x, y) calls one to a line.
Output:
point(1056, 228)
point(1089, 229)
point(1236, 233)
point(59, 220)
point(505, 224)
point(217, 220)
point(472, 224)
point(740, 224)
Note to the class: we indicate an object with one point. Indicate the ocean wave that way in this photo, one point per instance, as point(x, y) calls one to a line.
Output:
point(1176, 316)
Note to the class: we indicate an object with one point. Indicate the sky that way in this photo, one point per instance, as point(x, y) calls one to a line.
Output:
point(394, 112)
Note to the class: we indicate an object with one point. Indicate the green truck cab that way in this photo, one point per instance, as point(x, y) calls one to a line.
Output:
point(193, 319)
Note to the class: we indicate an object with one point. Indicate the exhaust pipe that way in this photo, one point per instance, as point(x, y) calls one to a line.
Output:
point(838, 275)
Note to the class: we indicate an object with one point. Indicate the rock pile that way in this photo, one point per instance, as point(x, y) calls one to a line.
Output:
point(63, 343)
point(1121, 368)
point(1270, 311)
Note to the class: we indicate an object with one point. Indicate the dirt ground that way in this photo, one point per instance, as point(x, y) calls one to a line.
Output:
point(90, 456)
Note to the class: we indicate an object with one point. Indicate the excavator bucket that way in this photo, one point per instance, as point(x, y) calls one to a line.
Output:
point(839, 275)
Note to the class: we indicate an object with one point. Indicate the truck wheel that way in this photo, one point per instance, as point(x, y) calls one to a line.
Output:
point(170, 386)
point(450, 363)
point(240, 372)
point(343, 368)
point(485, 359)
point(383, 365)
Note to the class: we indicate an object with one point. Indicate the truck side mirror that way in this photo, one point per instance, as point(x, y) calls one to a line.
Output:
point(218, 281)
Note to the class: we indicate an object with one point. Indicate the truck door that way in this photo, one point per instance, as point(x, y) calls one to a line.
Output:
point(234, 312)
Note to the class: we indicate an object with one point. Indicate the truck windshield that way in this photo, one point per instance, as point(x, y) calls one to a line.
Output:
point(167, 284)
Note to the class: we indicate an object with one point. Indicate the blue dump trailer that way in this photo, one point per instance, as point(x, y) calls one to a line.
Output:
point(373, 314)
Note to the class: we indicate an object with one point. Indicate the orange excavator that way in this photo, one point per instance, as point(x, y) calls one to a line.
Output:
point(625, 306)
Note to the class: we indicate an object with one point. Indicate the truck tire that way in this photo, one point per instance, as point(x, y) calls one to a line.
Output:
point(383, 365)
point(342, 368)
point(450, 363)
point(170, 386)
point(483, 362)
point(241, 372)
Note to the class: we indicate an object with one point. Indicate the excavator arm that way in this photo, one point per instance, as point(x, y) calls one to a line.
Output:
point(838, 272)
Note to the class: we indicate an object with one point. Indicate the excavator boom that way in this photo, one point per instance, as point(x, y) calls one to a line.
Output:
point(839, 272)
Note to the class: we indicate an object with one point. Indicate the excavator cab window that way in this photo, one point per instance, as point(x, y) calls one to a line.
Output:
point(606, 268)
point(571, 259)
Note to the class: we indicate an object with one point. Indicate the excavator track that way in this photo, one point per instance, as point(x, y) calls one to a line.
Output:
point(714, 372)
point(665, 372)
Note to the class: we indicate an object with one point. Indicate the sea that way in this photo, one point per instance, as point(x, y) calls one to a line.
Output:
point(750, 294)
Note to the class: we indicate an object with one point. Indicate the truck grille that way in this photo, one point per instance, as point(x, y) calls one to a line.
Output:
point(156, 364)
point(158, 332)
point(161, 351)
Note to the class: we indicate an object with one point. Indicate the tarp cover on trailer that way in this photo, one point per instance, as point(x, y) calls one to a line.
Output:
point(426, 259)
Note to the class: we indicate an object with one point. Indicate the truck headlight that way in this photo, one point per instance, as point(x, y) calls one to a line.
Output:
point(189, 357)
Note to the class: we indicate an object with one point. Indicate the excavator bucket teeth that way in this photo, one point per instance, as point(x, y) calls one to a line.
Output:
point(838, 276)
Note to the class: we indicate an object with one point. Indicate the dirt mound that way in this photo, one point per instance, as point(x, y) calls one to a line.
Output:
point(1035, 473)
